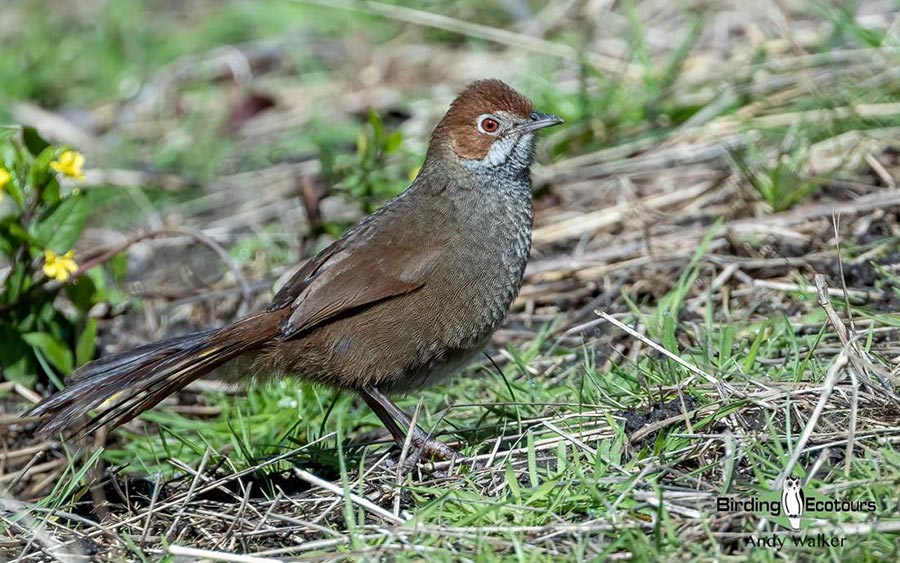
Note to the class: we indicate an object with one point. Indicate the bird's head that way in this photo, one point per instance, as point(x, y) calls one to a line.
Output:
point(489, 126)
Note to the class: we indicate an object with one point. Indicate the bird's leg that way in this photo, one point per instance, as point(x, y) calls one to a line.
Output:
point(398, 424)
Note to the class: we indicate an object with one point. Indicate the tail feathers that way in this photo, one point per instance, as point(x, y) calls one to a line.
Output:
point(124, 385)
point(137, 356)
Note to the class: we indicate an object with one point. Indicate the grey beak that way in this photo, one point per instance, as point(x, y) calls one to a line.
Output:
point(539, 121)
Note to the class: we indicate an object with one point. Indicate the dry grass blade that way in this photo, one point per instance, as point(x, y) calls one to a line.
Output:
point(725, 390)
point(209, 555)
point(354, 498)
point(860, 361)
point(831, 379)
point(501, 36)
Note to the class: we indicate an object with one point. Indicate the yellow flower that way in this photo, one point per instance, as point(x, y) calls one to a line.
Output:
point(59, 267)
point(69, 164)
point(4, 179)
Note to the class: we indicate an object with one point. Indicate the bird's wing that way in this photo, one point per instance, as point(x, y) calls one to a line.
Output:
point(301, 280)
point(353, 273)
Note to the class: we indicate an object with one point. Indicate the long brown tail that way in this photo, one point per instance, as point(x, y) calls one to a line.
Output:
point(124, 385)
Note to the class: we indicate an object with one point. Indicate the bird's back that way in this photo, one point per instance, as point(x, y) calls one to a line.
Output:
point(474, 240)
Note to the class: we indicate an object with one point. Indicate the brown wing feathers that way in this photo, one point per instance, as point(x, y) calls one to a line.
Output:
point(122, 386)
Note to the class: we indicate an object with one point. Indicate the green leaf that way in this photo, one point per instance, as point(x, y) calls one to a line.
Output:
point(55, 352)
point(393, 142)
point(47, 312)
point(20, 371)
point(50, 194)
point(33, 141)
point(83, 293)
point(15, 357)
point(754, 348)
point(669, 340)
point(362, 144)
point(17, 282)
point(84, 350)
point(40, 173)
point(12, 187)
point(9, 155)
point(118, 266)
point(532, 460)
point(7, 132)
point(726, 342)
point(60, 230)
point(18, 232)
point(513, 482)
point(377, 126)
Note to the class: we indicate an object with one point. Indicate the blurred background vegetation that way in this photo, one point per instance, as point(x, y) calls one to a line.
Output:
point(707, 146)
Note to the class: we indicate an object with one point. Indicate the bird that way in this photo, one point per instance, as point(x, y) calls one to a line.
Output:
point(404, 299)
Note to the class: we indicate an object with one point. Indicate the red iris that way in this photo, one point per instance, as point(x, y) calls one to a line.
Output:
point(489, 125)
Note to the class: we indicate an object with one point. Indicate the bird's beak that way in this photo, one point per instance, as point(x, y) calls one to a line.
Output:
point(539, 121)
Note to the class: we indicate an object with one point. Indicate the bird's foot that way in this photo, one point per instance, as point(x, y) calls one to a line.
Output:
point(432, 448)
point(421, 444)
point(423, 447)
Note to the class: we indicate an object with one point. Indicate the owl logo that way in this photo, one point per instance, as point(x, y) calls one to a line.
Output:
point(792, 500)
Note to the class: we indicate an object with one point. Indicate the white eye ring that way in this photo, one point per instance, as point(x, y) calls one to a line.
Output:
point(488, 124)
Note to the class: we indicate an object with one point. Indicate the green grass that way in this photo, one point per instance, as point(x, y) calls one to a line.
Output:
point(96, 52)
point(566, 483)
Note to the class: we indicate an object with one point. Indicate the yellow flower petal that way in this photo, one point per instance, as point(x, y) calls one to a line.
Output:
point(69, 164)
point(4, 179)
point(59, 268)
point(51, 270)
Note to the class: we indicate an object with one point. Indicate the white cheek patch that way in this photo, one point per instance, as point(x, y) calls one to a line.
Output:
point(499, 152)
point(504, 149)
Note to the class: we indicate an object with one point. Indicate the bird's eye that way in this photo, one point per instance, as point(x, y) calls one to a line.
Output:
point(488, 125)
